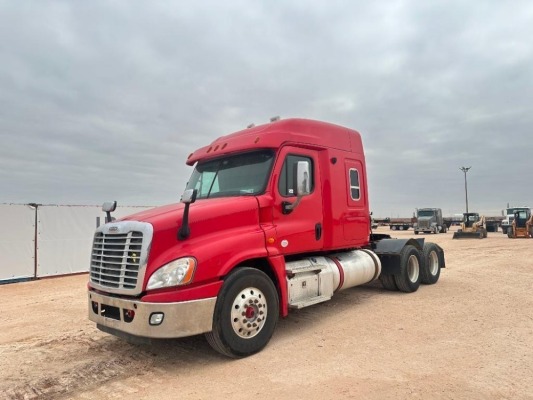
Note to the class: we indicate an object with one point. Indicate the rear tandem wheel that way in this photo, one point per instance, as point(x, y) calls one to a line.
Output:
point(430, 271)
point(408, 280)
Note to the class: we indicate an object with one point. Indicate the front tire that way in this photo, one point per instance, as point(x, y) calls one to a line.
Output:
point(430, 271)
point(409, 278)
point(246, 314)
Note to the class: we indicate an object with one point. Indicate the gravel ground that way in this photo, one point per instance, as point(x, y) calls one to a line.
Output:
point(470, 336)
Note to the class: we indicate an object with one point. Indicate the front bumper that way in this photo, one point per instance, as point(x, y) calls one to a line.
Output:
point(180, 319)
point(426, 230)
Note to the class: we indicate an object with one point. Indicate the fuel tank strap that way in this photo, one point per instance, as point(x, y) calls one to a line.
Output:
point(341, 272)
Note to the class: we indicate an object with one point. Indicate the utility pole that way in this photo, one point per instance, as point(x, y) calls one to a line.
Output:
point(465, 170)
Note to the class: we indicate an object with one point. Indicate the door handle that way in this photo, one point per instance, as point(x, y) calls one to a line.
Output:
point(318, 231)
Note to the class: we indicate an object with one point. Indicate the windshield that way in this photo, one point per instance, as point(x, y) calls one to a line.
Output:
point(426, 213)
point(243, 174)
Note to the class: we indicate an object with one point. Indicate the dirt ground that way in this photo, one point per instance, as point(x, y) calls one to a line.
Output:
point(470, 336)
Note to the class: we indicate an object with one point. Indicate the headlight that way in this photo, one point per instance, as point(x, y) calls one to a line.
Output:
point(177, 272)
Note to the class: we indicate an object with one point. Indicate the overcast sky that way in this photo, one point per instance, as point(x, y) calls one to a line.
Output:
point(104, 100)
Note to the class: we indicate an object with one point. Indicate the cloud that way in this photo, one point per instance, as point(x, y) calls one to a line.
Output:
point(105, 100)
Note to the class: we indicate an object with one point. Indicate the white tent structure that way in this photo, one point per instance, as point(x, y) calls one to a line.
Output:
point(46, 240)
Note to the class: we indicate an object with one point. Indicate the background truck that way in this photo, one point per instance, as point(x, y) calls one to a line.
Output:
point(429, 220)
point(275, 217)
point(509, 216)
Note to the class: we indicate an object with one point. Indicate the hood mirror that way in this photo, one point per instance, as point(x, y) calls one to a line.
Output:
point(188, 197)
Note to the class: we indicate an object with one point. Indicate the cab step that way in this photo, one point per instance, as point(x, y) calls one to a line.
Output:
point(309, 302)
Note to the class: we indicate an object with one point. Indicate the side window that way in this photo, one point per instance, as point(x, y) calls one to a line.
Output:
point(287, 184)
point(355, 190)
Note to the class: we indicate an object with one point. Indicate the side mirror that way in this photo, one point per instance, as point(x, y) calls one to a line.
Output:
point(108, 207)
point(189, 196)
point(303, 185)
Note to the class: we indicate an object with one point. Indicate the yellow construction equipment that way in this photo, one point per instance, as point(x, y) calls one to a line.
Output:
point(473, 226)
point(522, 225)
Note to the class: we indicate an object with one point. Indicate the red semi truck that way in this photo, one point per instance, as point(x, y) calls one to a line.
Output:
point(274, 217)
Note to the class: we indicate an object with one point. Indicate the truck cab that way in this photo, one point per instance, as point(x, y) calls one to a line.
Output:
point(274, 217)
point(429, 220)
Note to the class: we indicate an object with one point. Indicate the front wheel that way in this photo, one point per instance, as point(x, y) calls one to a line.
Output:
point(246, 314)
point(408, 280)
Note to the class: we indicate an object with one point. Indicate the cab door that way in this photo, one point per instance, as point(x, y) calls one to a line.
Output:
point(300, 229)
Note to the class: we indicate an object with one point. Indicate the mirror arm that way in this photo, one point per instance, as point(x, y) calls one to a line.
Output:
point(288, 207)
point(184, 232)
point(189, 196)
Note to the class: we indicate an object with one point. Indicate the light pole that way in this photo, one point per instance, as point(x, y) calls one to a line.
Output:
point(465, 170)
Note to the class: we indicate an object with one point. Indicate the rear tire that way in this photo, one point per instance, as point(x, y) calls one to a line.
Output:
point(246, 314)
point(388, 282)
point(408, 280)
point(510, 233)
point(430, 271)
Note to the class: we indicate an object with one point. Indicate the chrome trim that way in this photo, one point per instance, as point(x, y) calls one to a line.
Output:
point(181, 319)
point(116, 267)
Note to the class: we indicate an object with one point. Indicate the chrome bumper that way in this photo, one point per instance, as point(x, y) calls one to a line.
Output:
point(180, 319)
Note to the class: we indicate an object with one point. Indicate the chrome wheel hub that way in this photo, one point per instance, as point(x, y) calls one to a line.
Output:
point(248, 313)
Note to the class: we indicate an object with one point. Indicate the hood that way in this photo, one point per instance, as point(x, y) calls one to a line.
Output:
point(157, 213)
point(201, 212)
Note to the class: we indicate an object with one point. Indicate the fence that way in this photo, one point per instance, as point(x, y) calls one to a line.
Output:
point(47, 240)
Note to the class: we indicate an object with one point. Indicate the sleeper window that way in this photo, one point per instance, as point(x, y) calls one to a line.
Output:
point(354, 184)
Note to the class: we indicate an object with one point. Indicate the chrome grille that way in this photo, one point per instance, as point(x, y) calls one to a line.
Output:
point(120, 255)
point(116, 259)
point(423, 224)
